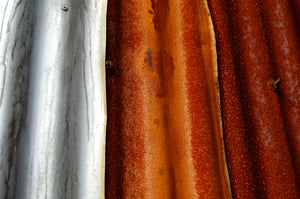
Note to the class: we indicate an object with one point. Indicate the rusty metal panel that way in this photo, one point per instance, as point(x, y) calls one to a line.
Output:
point(257, 44)
point(165, 135)
point(164, 127)
point(52, 98)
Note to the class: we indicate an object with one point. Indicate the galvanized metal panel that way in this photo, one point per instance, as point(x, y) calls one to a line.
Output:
point(53, 106)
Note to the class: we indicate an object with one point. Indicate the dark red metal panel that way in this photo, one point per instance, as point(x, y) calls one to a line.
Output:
point(257, 43)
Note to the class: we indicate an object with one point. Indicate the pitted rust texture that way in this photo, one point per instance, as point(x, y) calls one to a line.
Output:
point(257, 42)
point(164, 137)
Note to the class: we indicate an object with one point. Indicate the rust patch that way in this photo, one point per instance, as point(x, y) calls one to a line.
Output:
point(168, 65)
point(165, 70)
point(161, 12)
point(149, 60)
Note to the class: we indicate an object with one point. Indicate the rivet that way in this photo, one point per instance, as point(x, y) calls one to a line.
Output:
point(64, 8)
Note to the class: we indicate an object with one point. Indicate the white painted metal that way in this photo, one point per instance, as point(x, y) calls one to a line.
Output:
point(52, 98)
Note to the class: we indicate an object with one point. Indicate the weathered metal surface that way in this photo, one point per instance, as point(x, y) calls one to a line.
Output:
point(52, 98)
point(257, 43)
point(164, 136)
point(166, 114)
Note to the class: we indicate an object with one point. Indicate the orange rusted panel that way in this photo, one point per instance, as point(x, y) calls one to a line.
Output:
point(164, 127)
point(258, 43)
point(165, 122)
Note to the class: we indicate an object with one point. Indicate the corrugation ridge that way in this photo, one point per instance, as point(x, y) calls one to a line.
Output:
point(216, 86)
point(202, 99)
point(15, 45)
point(125, 143)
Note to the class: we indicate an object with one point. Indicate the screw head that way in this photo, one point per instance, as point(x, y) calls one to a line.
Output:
point(274, 84)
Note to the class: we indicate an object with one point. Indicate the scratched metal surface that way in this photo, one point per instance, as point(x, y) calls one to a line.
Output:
point(164, 138)
point(52, 98)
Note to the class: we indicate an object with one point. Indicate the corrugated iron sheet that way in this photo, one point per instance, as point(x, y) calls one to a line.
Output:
point(258, 43)
point(53, 103)
point(202, 99)
point(165, 124)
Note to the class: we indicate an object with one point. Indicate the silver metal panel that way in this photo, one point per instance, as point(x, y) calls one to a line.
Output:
point(52, 98)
